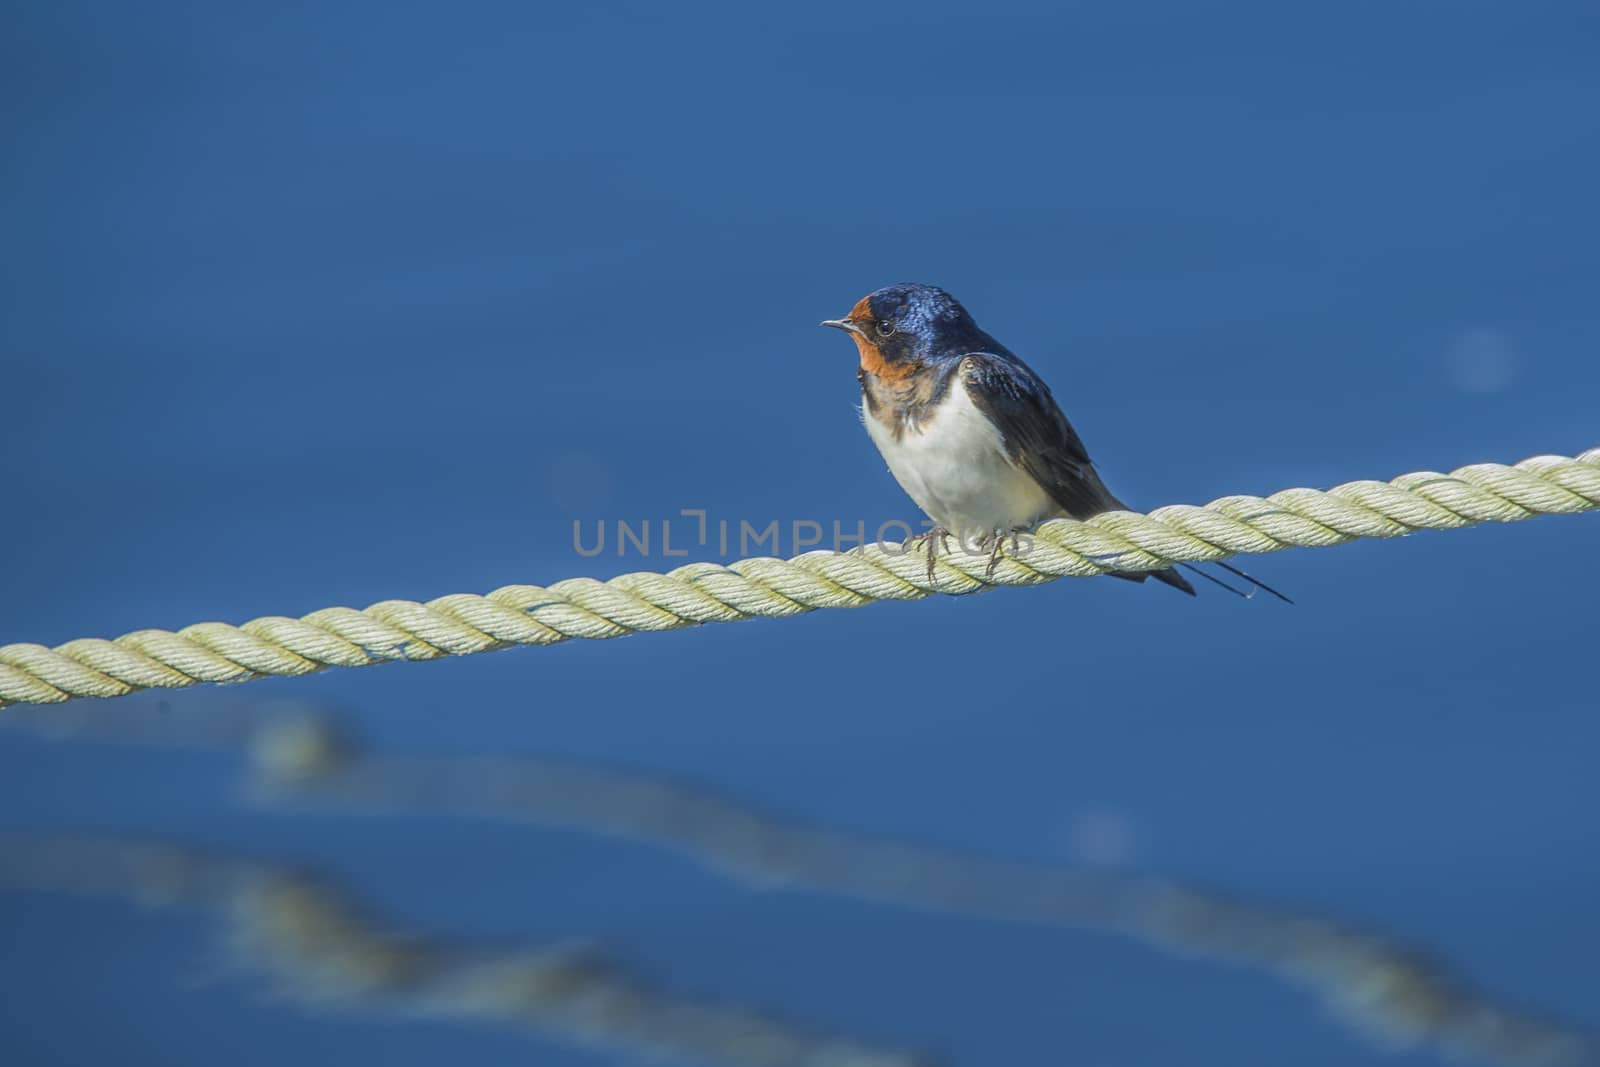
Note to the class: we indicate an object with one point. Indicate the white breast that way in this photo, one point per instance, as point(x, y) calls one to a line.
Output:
point(955, 467)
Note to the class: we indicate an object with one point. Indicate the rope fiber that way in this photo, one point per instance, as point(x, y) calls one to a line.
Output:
point(464, 623)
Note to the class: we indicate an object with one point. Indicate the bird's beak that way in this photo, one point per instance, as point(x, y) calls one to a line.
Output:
point(842, 324)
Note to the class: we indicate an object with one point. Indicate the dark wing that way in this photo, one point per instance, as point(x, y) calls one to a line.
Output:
point(1037, 436)
point(1041, 441)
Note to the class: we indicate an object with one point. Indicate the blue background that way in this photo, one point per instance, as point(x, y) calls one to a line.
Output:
point(314, 303)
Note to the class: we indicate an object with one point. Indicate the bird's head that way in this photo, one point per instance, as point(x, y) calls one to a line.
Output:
point(900, 328)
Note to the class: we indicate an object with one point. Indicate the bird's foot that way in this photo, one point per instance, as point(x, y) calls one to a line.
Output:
point(999, 539)
point(995, 542)
point(933, 540)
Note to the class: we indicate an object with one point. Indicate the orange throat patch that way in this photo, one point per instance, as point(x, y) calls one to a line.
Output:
point(873, 363)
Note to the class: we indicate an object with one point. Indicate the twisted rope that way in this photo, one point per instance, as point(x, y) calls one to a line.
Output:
point(464, 623)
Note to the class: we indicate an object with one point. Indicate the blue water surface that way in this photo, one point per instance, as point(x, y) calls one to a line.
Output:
point(327, 303)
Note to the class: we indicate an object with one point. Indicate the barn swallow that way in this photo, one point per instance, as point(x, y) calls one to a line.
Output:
point(969, 431)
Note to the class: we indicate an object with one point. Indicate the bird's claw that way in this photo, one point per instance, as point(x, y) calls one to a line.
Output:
point(995, 542)
point(999, 539)
point(935, 538)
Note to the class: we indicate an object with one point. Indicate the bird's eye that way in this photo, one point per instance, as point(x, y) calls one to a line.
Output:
point(885, 329)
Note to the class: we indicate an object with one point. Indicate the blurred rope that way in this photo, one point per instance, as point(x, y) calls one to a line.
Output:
point(464, 623)
point(324, 947)
point(1387, 990)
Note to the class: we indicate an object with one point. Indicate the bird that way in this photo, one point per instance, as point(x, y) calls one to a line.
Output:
point(970, 431)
